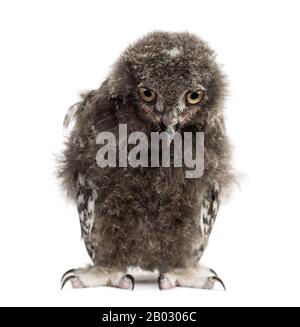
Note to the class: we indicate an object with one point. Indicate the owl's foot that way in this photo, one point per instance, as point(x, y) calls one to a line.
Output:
point(97, 276)
point(197, 277)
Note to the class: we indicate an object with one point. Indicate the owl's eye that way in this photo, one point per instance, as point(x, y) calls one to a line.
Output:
point(195, 97)
point(146, 94)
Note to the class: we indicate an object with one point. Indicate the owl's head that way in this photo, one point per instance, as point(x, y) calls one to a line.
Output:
point(171, 80)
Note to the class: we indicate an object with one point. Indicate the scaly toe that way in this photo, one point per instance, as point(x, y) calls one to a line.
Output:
point(210, 283)
point(164, 283)
point(76, 283)
point(127, 282)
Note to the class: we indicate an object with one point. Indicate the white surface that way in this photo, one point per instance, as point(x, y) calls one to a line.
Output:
point(50, 50)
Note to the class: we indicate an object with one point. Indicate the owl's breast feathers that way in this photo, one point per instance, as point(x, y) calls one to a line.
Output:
point(154, 211)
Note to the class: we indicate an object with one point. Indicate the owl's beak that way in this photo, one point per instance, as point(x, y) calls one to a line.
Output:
point(171, 132)
point(169, 122)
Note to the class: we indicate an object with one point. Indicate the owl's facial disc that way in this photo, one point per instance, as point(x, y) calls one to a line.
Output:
point(166, 111)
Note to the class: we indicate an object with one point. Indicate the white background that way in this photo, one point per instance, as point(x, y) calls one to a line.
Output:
point(51, 50)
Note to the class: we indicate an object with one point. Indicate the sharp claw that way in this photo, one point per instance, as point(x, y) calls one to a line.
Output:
point(66, 273)
point(130, 277)
point(213, 272)
point(66, 279)
point(219, 280)
point(160, 278)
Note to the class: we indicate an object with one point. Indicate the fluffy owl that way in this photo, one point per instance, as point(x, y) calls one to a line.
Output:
point(152, 218)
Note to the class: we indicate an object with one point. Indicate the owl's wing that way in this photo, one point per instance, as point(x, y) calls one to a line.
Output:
point(86, 199)
point(209, 210)
point(208, 213)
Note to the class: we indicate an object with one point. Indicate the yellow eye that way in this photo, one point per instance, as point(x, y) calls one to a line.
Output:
point(195, 97)
point(146, 94)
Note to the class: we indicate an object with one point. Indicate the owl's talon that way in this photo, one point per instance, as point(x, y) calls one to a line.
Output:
point(164, 283)
point(67, 273)
point(94, 276)
point(127, 282)
point(159, 279)
point(71, 275)
point(218, 279)
point(66, 279)
point(197, 277)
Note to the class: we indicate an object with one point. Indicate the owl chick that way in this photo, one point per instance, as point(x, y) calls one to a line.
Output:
point(153, 218)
